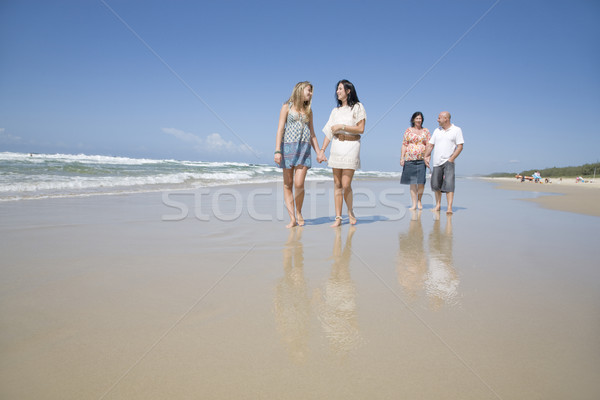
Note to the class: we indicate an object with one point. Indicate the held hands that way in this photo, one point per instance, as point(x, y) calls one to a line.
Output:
point(277, 158)
point(402, 161)
point(321, 157)
point(427, 159)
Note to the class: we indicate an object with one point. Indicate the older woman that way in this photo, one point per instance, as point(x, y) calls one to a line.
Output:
point(412, 158)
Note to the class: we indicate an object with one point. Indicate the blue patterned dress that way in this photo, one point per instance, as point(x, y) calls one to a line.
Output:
point(296, 141)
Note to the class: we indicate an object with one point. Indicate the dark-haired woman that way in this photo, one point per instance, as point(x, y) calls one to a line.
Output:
point(412, 158)
point(343, 130)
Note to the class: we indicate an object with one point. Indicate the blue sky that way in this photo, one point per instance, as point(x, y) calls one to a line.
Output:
point(201, 80)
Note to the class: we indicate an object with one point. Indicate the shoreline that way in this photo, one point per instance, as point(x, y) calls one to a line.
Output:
point(580, 198)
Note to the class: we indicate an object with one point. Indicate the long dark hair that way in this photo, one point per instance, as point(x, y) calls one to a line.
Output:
point(352, 96)
point(415, 115)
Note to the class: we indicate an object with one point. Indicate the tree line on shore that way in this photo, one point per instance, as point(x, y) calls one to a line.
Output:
point(585, 170)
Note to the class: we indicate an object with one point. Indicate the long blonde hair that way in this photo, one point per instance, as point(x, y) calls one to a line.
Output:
point(297, 98)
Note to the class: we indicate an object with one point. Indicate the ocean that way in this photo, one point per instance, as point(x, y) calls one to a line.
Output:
point(26, 176)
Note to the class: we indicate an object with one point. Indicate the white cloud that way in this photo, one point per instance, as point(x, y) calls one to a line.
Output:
point(513, 161)
point(7, 138)
point(213, 143)
point(184, 136)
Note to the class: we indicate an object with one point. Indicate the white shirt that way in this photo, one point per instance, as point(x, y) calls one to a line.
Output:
point(345, 116)
point(346, 154)
point(445, 142)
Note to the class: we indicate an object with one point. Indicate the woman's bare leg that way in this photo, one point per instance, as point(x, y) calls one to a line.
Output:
point(421, 189)
point(338, 192)
point(288, 195)
point(299, 178)
point(413, 196)
point(347, 175)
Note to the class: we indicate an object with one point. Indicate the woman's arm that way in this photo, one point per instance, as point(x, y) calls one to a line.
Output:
point(404, 146)
point(357, 129)
point(313, 138)
point(280, 129)
point(325, 144)
point(402, 153)
point(314, 141)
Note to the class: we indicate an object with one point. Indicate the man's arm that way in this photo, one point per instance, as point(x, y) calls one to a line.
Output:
point(456, 153)
point(428, 150)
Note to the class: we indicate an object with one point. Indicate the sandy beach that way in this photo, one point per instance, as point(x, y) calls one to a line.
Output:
point(205, 294)
point(581, 198)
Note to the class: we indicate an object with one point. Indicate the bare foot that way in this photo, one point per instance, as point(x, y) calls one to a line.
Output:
point(413, 207)
point(419, 205)
point(300, 219)
point(449, 212)
point(291, 224)
point(437, 208)
point(338, 222)
point(351, 217)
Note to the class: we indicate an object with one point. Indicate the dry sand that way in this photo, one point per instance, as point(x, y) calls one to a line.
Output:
point(581, 198)
point(119, 297)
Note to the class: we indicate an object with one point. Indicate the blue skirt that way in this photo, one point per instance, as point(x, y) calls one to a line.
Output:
point(295, 154)
point(413, 173)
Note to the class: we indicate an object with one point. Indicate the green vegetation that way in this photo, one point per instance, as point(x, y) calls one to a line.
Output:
point(502, 175)
point(586, 171)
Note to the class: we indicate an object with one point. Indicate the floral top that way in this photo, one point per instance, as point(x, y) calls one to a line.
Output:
point(415, 143)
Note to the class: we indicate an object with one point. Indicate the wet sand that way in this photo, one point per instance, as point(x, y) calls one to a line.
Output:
point(581, 198)
point(152, 297)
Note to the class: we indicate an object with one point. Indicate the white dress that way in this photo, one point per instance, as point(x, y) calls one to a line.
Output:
point(344, 154)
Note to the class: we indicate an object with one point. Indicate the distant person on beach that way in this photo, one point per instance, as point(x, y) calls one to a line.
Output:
point(295, 136)
point(448, 141)
point(412, 157)
point(345, 126)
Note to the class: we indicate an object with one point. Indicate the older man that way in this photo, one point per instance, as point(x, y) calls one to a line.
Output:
point(448, 141)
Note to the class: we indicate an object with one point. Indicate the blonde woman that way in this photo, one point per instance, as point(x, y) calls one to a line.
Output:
point(343, 130)
point(295, 136)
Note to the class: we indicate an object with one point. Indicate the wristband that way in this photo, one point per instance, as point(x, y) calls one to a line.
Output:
point(278, 152)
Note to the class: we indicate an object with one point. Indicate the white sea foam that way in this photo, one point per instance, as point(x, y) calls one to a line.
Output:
point(77, 183)
point(58, 175)
point(81, 158)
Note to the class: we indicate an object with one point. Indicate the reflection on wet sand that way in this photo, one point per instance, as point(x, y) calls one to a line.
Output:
point(442, 280)
point(434, 273)
point(412, 261)
point(337, 301)
point(291, 303)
